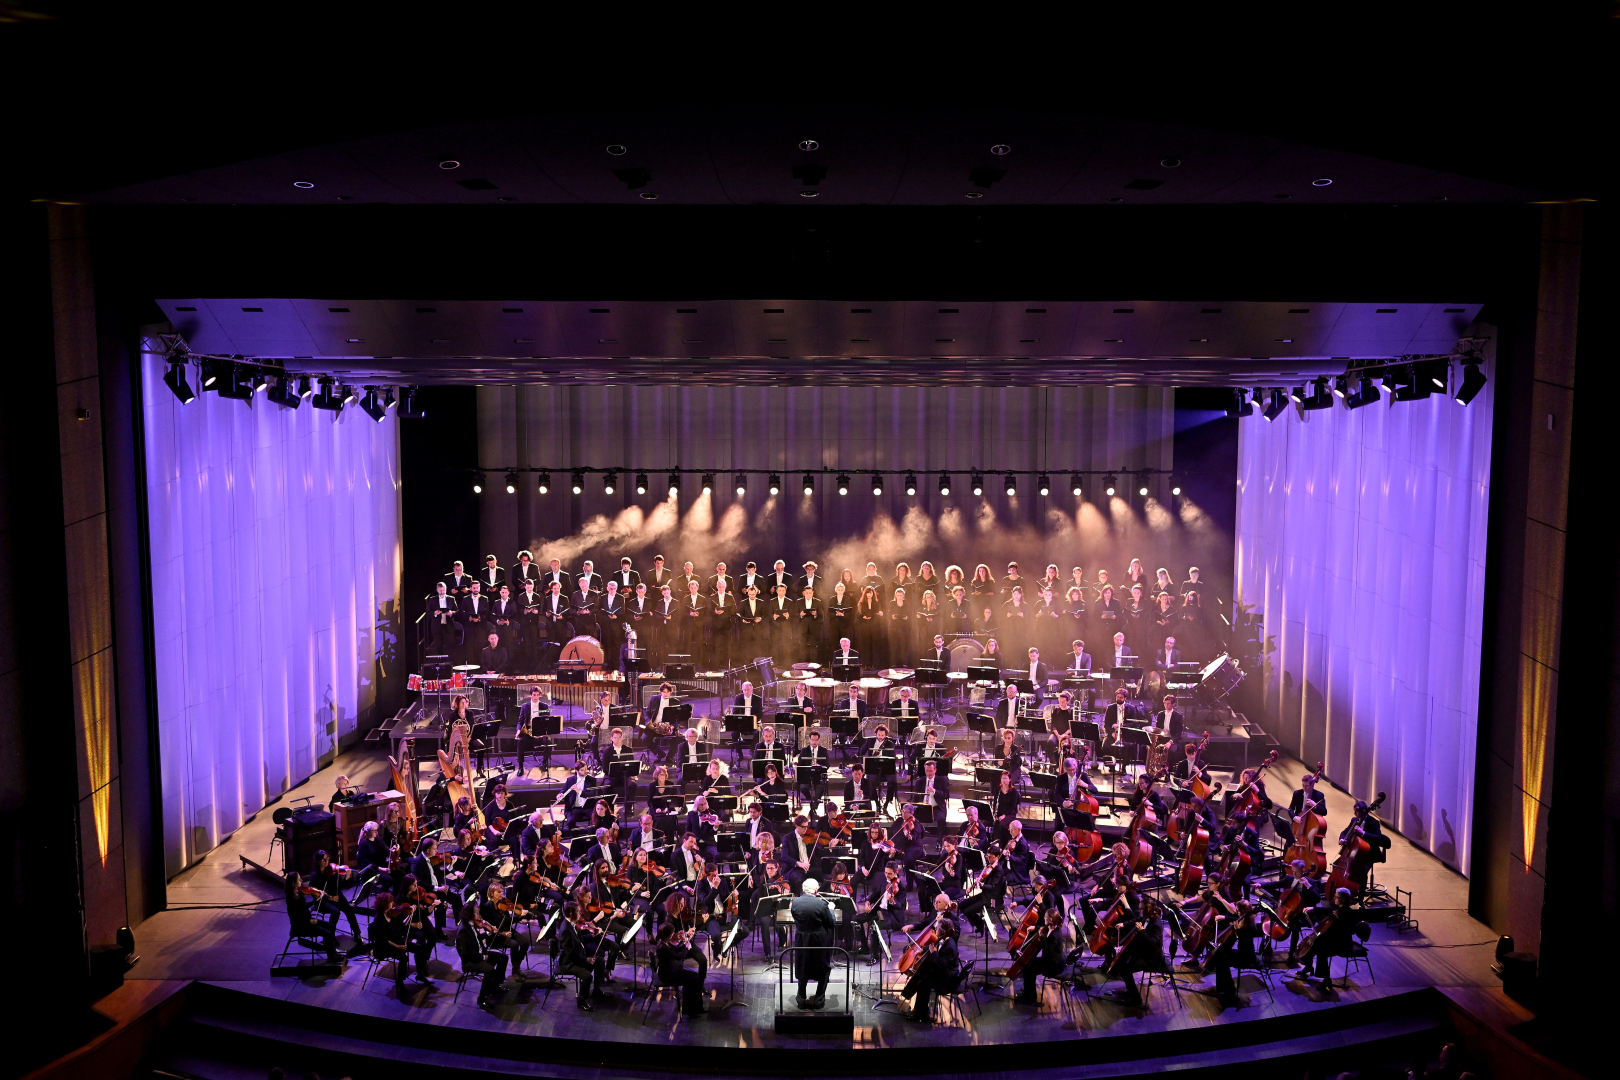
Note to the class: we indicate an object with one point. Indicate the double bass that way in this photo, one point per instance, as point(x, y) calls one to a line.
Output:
point(1355, 855)
point(1193, 859)
point(1141, 852)
point(1087, 844)
point(1027, 925)
point(1309, 828)
point(1247, 799)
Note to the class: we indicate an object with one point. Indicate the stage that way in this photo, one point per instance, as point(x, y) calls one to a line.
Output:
point(224, 928)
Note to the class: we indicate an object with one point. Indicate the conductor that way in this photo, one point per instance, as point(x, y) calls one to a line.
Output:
point(813, 919)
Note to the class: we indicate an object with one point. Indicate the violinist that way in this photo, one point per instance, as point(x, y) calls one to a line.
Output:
point(582, 951)
point(391, 939)
point(644, 837)
point(713, 896)
point(927, 750)
point(1005, 806)
point(533, 835)
point(425, 868)
point(673, 950)
point(466, 818)
point(306, 918)
point(802, 849)
point(859, 788)
point(885, 906)
point(940, 970)
point(498, 811)
point(370, 854)
point(813, 763)
point(647, 880)
point(1051, 957)
point(572, 796)
point(602, 816)
point(974, 834)
point(950, 871)
point(1058, 868)
point(609, 893)
point(908, 836)
point(687, 866)
point(768, 883)
point(330, 879)
point(702, 825)
point(471, 860)
point(530, 885)
point(873, 855)
point(502, 916)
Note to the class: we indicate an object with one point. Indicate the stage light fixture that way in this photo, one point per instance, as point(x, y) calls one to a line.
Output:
point(1240, 405)
point(1175, 488)
point(1012, 484)
point(809, 484)
point(326, 395)
point(877, 484)
point(1297, 395)
point(390, 397)
point(742, 484)
point(373, 405)
point(1275, 406)
point(1341, 386)
point(610, 483)
point(708, 482)
point(1076, 488)
point(774, 484)
point(843, 484)
point(641, 483)
point(284, 394)
point(259, 380)
point(176, 378)
point(1386, 386)
point(1320, 397)
point(674, 483)
point(511, 483)
point(478, 483)
point(1110, 484)
point(1472, 382)
point(305, 387)
point(1438, 372)
point(1043, 484)
point(544, 484)
point(211, 371)
point(911, 484)
point(978, 484)
point(346, 394)
point(944, 483)
point(578, 483)
point(234, 382)
point(1142, 482)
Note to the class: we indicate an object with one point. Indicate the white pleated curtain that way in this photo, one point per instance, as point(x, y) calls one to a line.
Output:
point(275, 540)
point(1361, 542)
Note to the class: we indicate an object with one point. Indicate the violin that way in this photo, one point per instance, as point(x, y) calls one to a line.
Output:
point(553, 854)
point(841, 888)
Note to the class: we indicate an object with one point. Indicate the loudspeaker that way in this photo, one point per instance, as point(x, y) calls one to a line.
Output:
point(310, 829)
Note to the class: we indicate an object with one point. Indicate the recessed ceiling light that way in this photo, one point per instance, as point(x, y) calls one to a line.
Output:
point(1001, 149)
point(1324, 182)
point(618, 149)
point(649, 195)
point(1115, 198)
point(1171, 162)
point(809, 144)
point(808, 193)
point(449, 163)
point(972, 194)
point(302, 184)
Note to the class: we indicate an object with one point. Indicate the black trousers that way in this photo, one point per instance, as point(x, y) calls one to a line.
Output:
point(690, 984)
point(492, 970)
point(1038, 966)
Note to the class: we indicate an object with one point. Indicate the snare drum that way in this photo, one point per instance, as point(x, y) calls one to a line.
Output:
point(876, 692)
point(822, 693)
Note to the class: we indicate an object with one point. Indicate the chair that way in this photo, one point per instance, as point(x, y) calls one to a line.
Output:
point(1263, 971)
point(373, 962)
point(281, 816)
point(1358, 957)
point(301, 940)
point(655, 990)
point(964, 986)
point(461, 981)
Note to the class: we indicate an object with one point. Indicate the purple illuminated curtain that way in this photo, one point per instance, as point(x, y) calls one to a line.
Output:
point(275, 545)
point(1361, 541)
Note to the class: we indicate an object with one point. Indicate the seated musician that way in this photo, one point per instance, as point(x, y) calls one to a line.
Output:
point(1168, 723)
point(647, 879)
point(974, 833)
point(1249, 778)
point(748, 702)
point(1007, 756)
point(801, 852)
point(644, 837)
point(1005, 807)
point(341, 793)
point(853, 705)
point(1079, 660)
point(1067, 791)
point(1123, 657)
point(767, 747)
point(1037, 675)
point(1363, 822)
point(602, 816)
point(908, 836)
point(773, 788)
point(616, 752)
point(1304, 796)
point(662, 703)
point(687, 864)
point(768, 882)
point(530, 887)
point(881, 745)
point(1144, 791)
point(1295, 878)
point(572, 795)
point(800, 701)
point(1145, 948)
point(927, 750)
point(859, 788)
point(661, 786)
point(875, 852)
point(431, 879)
point(1167, 657)
point(1017, 857)
point(583, 952)
point(331, 879)
point(1051, 957)
point(704, 825)
point(604, 849)
point(813, 756)
point(1201, 814)
point(392, 939)
point(503, 827)
point(711, 897)
point(613, 898)
point(949, 872)
point(934, 791)
point(672, 951)
point(1188, 765)
point(1059, 866)
point(905, 707)
point(504, 932)
point(1337, 924)
point(940, 972)
point(715, 779)
point(370, 853)
point(472, 859)
point(309, 920)
point(757, 825)
point(883, 909)
point(937, 652)
point(845, 656)
point(464, 818)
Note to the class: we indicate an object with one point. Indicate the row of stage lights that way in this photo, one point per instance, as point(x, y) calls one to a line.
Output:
point(243, 380)
point(1411, 379)
point(610, 482)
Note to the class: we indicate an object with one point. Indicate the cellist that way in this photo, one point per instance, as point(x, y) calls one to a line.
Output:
point(1295, 881)
point(1052, 957)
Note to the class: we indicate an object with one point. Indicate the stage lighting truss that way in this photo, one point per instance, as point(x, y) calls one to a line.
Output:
point(911, 484)
point(774, 484)
point(843, 484)
point(944, 483)
point(610, 483)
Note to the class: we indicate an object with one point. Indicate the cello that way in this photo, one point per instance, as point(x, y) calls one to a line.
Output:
point(1247, 799)
point(1141, 852)
point(1308, 830)
point(1027, 925)
point(1031, 949)
point(1193, 859)
point(1276, 926)
point(1355, 855)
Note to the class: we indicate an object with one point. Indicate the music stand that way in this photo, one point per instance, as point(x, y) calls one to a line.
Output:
point(990, 777)
point(776, 811)
point(667, 804)
point(905, 725)
point(983, 722)
point(1135, 737)
point(694, 772)
point(984, 673)
point(621, 772)
point(815, 776)
point(846, 672)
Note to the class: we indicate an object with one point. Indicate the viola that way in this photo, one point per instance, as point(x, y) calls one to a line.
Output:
point(554, 856)
point(1355, 855)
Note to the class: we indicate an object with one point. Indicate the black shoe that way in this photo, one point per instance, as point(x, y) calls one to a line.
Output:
point(819, 1001)
point(585, 1006)
point(802, 1002)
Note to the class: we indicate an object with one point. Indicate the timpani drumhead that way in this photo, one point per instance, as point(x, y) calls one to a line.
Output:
point(586, 649)
point(964, 653)
point(876, 691)
point(822, 692)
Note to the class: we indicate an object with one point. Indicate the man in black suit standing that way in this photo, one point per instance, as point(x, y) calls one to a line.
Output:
point(1036, 673)
point(713, 584)
point(558, 576)
point(810, 580)
point(444, 624)
point(507, 618)
point(588, 580)
point(937, 652)
point(474, 617)
point(778, 576)
point(554, 612)
point(627, 579)
point(582, 607)
point(658, 577)
point(492, 576)
point(458, 581)
point(525, 570)
point(610, 616)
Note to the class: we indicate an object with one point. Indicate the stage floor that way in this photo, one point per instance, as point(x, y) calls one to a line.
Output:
point(225, 926)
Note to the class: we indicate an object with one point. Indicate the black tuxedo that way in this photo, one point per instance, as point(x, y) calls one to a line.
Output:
point(521, 573)
point(942, 656)
point(686, 753)
point(1177, 722)
point(443, 623)
point(591, 582)
point(563, 577)
point(756, 706)
point(491, 580)
point(627, 580)
point(1167, 660)
point(457, 587)
point(807, 582)
point(841, 708)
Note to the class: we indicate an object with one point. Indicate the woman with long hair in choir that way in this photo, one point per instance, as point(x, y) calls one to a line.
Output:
point(983, 586)
point(1106, 613)
point(1049, 580)
point(841, 609)
point(900, 629)
point(1136, 574)
point(1074, 613)
point(926, 578)
point(925, 624)
point(871, 626)
point(954, 577)
point(958, 614)
point(902, 580)
point(874, 580)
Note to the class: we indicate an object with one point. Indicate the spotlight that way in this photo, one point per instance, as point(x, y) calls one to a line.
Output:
point(944, 483)
point(305, 387)
point(1075, 487)
point(176, 378)
point(1297, 394)
point(1142, 481)
point(1175, 488)
point(211, 371)
point(258, 380)
point(285, 394)
point(641, 483)
point(478, 483)
point(408, 408)
point(327, 395)
point(346, 393)
point(1415, 384)
point(674, 483)
point(1437, 372)
point(1110, 485)
point(1472, 382)
point(708, 482)
point(235, 382)
point(511, 483)
point(809, 484)
point(1043, 484)
point(978, 484)
point(1386, 386)
point(1012, 484)
point(774, 484)
point(742, 484)
point(373, 405)
point(1365, 395)
point(1320, 398)
point(1341, 386)
point(843, 484)
point(578, 484)
point(1275, 406)
point(1240, 405)
point(388, 397)
point(609, 482)
point(544, 484)
point(911, 484)
point(877, 484)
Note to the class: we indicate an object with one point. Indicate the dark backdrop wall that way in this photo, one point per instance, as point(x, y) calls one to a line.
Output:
point(789, 430)
point(439, 512)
